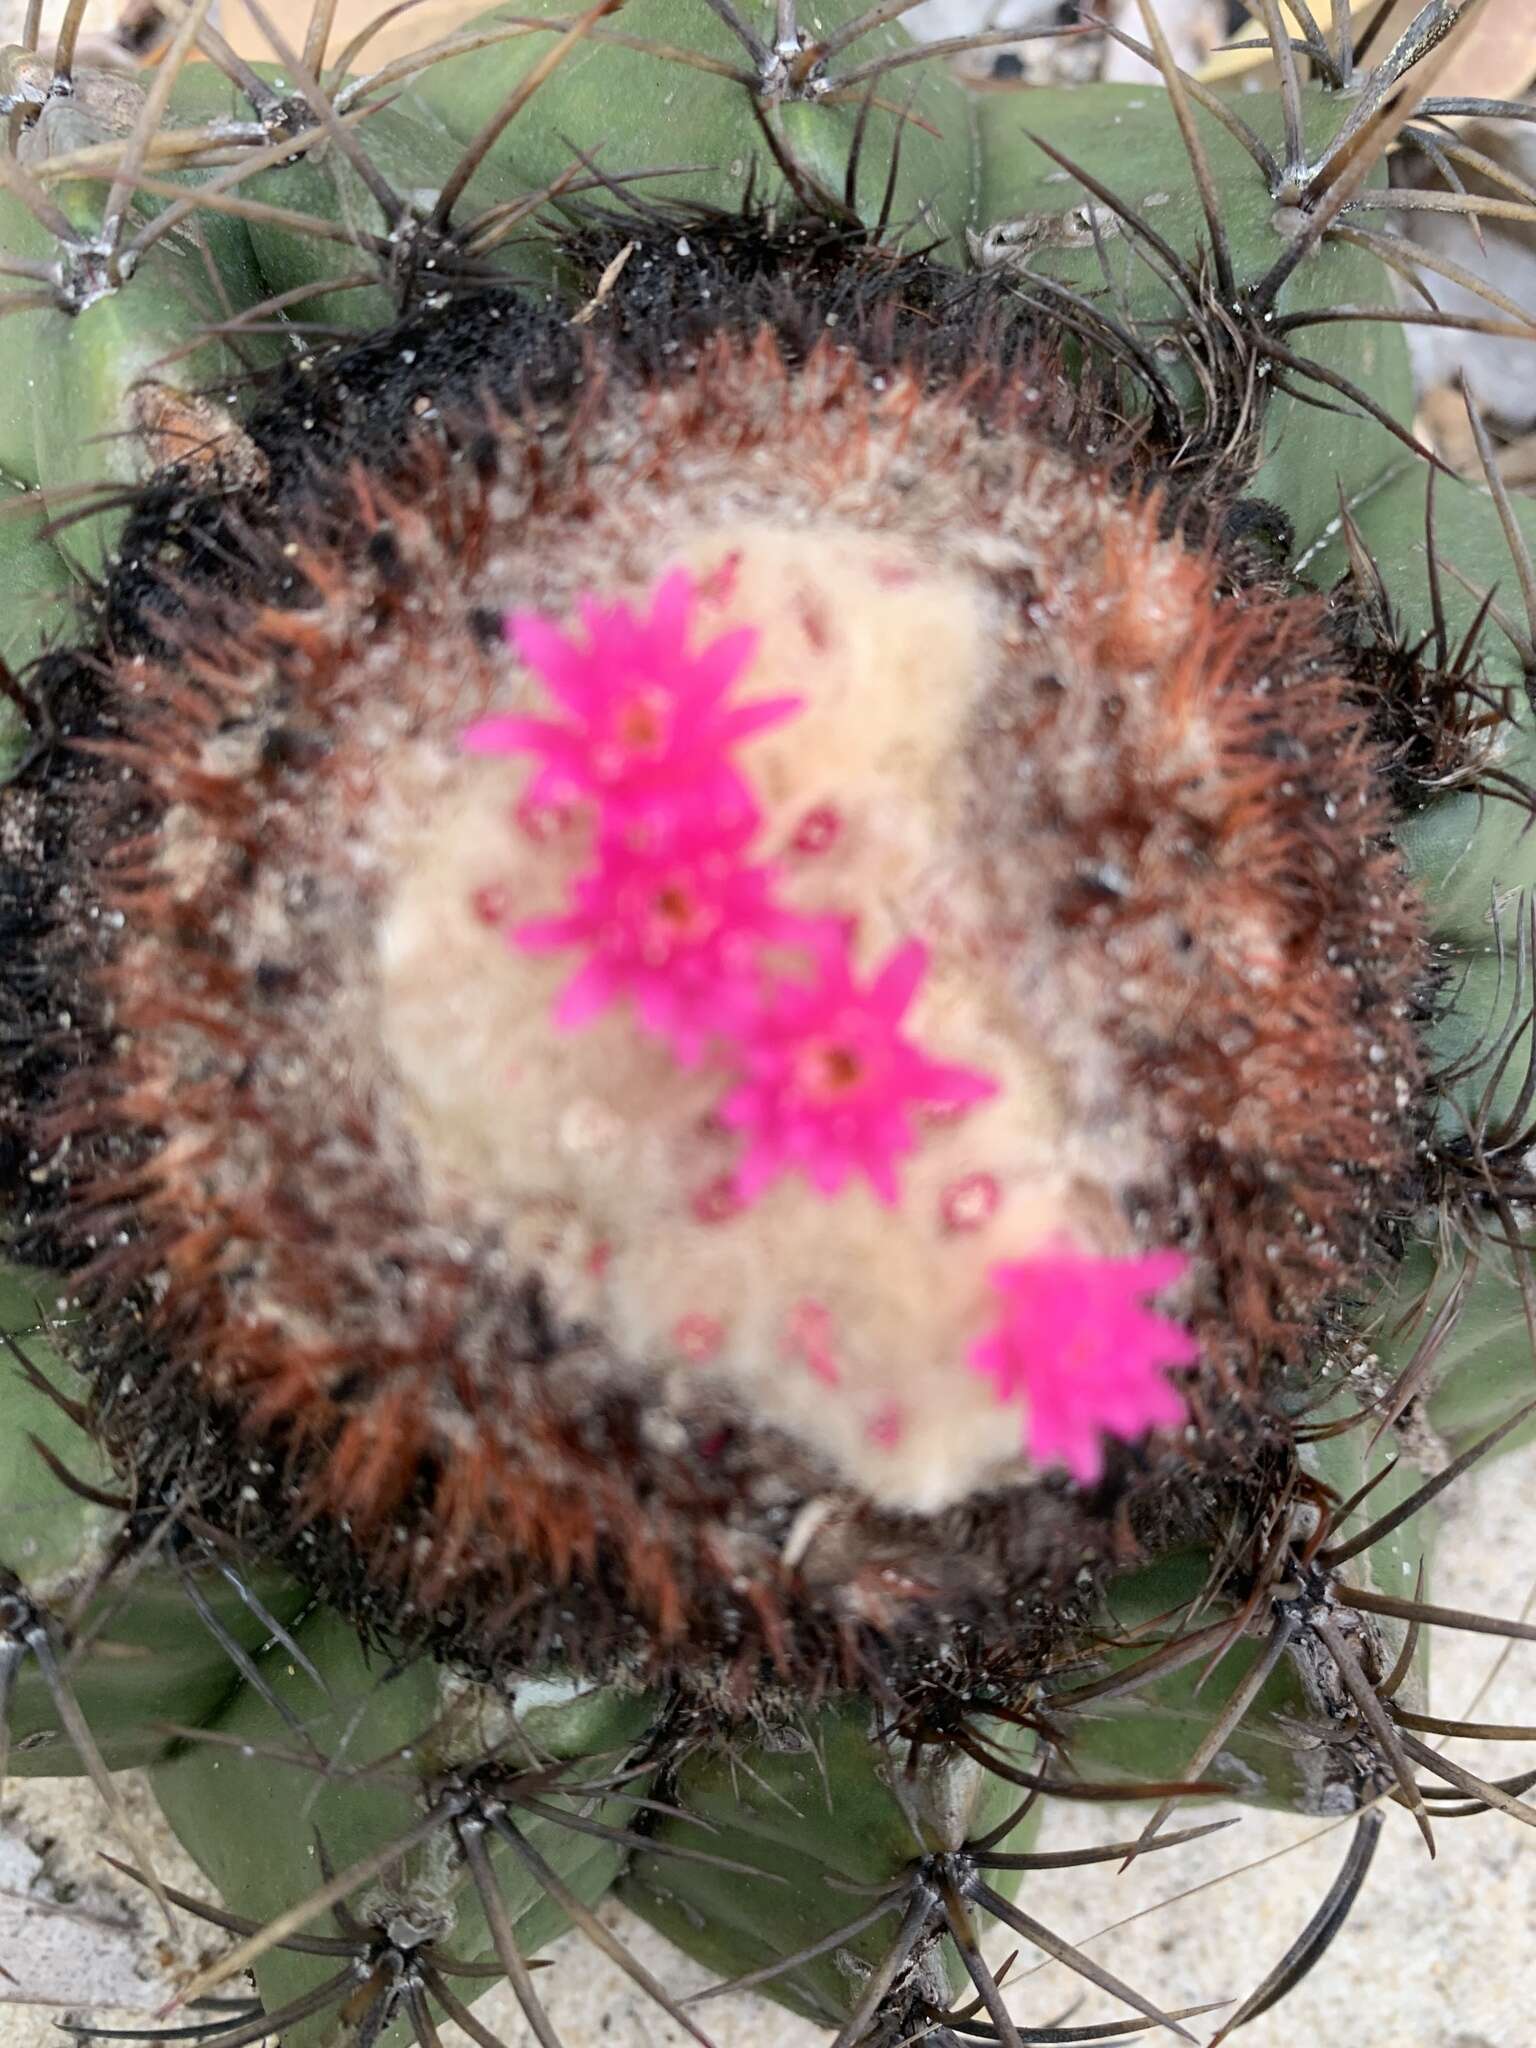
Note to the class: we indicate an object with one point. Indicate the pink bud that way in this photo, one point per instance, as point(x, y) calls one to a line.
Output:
point(970, 1202)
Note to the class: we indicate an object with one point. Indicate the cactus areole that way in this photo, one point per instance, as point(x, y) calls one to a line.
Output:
point(741, 1008)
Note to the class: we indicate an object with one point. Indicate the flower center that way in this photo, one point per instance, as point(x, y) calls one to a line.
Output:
point(830, 1068)
point(640, 723)
point(680, 913)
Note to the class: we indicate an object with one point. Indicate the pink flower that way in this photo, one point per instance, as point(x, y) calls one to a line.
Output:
point(830, 1082)
point(649, 730)
point(1077, 1343)
point(680, 930)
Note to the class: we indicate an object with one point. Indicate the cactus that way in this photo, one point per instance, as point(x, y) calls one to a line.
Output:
point(770, 988)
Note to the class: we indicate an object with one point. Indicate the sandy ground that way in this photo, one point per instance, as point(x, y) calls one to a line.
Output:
point(1438, 1955)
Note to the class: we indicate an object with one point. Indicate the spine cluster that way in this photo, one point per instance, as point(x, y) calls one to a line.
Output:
point(680, 914)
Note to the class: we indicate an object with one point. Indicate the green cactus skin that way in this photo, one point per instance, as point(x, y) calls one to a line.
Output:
point(415, 156)
point(836, 1812)
point(18, 462)
point(142, 1666)
point(1151, 1733)
point(50, 1536)
point(1282, 1750)
point(92, 362)
point(35, 592)
point(1128, 141)
point(142, 1655)
point(1349, 491)
point(369, 1753)
point(1467, 1316)
point(632, 99)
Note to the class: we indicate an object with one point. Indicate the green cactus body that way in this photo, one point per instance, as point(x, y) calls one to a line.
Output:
point(832, 1815)
point(350, 1770)
point(1273, 1757)
point(142, 1665)
point(20, 236)
point(104, 387)
point(854, 1861)
point(1284, 1750)
point(1036, 219)
point(35, 585)
point(1470, 1314)
point(141, 1656)
point(414, 156)
point(633, 99)
point(50, 1537)
point(1348, 1463)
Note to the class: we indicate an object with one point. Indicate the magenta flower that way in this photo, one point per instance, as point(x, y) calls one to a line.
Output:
point(1078, 1344)
point(649, 729)
point(679, 930)
point(829, 1082)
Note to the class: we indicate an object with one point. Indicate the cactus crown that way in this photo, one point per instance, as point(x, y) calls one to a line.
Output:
point(1050, 809)
point(717, 906)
